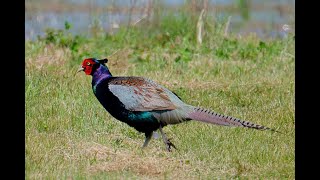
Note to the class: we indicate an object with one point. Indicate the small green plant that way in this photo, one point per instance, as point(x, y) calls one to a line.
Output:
point(67, 25)
point(62, 37)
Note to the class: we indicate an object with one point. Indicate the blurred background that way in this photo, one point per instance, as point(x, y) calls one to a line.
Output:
point(267, 19)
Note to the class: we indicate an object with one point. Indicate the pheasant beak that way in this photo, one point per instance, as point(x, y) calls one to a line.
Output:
point(80, 69)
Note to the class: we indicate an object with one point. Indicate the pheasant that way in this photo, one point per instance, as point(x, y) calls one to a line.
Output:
point(148, 106)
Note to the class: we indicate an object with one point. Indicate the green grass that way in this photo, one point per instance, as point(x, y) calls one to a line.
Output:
point(70, 135)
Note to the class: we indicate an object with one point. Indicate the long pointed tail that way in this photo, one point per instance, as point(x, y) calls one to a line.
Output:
point(205, 115)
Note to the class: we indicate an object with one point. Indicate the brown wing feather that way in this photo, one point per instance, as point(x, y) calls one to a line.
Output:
point(139, 94)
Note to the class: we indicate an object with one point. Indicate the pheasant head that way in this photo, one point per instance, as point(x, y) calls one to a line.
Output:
point(90, 65)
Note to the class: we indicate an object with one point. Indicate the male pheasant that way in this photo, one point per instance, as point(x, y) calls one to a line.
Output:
point(146, 105)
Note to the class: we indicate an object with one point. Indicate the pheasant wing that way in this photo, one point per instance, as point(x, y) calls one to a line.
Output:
point(139, 94)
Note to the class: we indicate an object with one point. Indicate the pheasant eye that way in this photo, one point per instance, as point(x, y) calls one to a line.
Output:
point(88, 63)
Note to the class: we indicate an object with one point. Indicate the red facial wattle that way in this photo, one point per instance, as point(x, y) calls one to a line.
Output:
point(87, 70)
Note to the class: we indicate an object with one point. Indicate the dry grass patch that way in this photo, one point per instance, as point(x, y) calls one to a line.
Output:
point(118, 60)
point(49, 56)
point(151, 163)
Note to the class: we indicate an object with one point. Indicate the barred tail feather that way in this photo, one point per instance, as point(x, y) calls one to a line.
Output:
point(205, 115)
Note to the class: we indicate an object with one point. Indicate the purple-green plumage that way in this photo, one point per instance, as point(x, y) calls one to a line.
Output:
point(146, 105)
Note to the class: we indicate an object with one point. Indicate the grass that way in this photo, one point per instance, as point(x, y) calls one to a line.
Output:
point(70, 135)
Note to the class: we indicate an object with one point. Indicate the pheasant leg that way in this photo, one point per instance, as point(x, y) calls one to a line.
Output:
point(147, 140)
point(167, 141)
